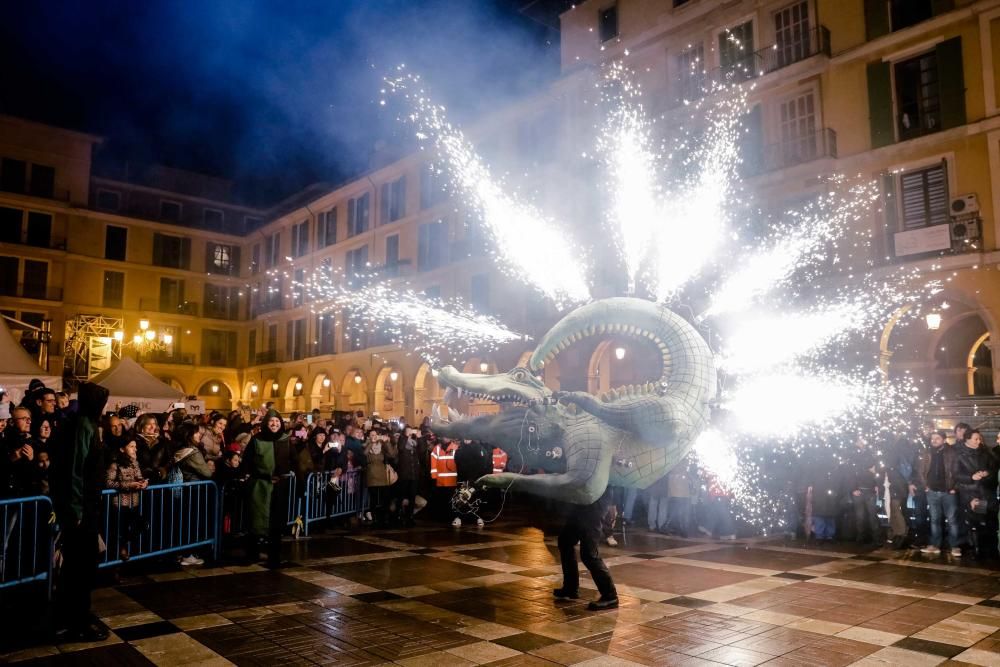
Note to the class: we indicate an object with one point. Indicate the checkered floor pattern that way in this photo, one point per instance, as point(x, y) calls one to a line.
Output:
point(438, 596)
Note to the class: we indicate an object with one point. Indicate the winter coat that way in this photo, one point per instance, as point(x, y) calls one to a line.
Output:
point(192, 464)
point(859, 465)
point(375, 472)
point(969, 461)
point(923, 467)
point(212, 446)
point(302, 462)
point(153, 457)
point(267, 456)
point(409, 459)
point(120, 474)
point(473, 460)
point(77, 475)
point(827, 493)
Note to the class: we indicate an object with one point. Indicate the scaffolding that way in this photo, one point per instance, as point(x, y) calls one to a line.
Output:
point(90, 346)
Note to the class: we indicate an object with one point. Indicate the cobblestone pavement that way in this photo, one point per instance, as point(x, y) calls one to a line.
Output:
point(442, 597)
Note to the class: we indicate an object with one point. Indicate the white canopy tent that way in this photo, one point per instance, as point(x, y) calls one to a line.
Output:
point(130, 383)
point(17, 368)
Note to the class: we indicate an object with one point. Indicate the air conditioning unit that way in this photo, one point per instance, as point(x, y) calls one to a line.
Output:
point(964, 205)
point(965, 230)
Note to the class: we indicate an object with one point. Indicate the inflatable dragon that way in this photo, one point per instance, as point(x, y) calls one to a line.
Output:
point(651, 426)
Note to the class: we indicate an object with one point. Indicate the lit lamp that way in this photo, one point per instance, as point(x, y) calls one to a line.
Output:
point(119, 336)
point(357, 378)
point(137, 340)
point(619, 353)
point(393, 375)
point(143, 324)
point(168, 339)
point(215, 389)
point(434, 372)
point(150, 335)
point(274, 386)
point(298, 386)
point(933, 321)
point(326, 382)
point(253, 388)
point(483, 367)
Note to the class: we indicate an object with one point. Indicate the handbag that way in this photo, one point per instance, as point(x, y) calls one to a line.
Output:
point(390, 474)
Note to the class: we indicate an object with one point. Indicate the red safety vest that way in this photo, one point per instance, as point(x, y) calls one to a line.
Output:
point(443, 469)
point(499, 460)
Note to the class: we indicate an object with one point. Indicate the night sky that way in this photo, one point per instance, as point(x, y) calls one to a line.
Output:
point(276, 95)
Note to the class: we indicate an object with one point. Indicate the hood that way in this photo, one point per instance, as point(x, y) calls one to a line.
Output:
point(92, 399)
point(266, 434)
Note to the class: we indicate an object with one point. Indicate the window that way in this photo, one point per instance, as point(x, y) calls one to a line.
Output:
point(295, 339)
point(255, 259)
point(218, 348)
point(607, 23)
point(326, 230)
point(212, 218)
point(357, 262)
point(170, 211)
point(222, 302)
point(299, 296)
point(272, 338)
point(109, 200)
point(327, 336)
point(114, 289)
point(393, 200)
point(432, 245)
point(923, 197)
point(171, 295)
point(392, 255)
point(222, 259)
point(43, 181)
point(36, 279)
point(904, 13)
point(10, 224)
point(171, 251)
point(39, 229)
point(479, 293)
point(691, 73)
point(115, 242)
point(8, 275)
point(917, 96)
point(736, 51)
point(252, 348)
point(432, 190)
point(271, 295)
point(357, 214)
point(798, 129)
point(791, 32)
point(300, 239)
point(12, 175)
point(272, 250)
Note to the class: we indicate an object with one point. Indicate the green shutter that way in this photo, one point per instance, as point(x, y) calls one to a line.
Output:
point(952, 83)
point(876, 18)
point(880, 104)
point(942, 6)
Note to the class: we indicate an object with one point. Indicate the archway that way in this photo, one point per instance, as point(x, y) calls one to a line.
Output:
point(294, 400)
point(390, 401)
point(251, 391)
point(478, 406)
point(173, 382)
point(322, 393)
point(216, 394)
point(354, 391)
point(616, 363)
point(550, 372)
point(980, 364)
point(426, 392)
point(271, 389)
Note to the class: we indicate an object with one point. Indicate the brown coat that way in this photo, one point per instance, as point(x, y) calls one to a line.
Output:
point(118, 477)
point(923, 467)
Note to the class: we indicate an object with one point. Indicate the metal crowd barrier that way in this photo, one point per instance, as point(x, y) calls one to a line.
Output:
point(167, 519)
point(323, 502)
point(27, 541)
point(234, 507)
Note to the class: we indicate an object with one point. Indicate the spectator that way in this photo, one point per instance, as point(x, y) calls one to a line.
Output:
point(266, 462)
point(861, 465)
point(187, 453)
point(125, 476)
point(823, 497)
point(444, 474)
point(935, 475)
point(893, 480)
point(409, 460)
point(151, 450)
point(379, 454)
point(43, 432)
point(961, 429)
point(18, 456)
point(679, 485)
point(718, 517)
point(77, 479)
point(976, 482)
point(473, 460)
point(317, 445)
point(658, 505)
point(214, 440)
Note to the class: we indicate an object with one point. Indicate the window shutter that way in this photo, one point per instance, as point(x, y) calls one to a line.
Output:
point(401, 197)
point(185, 254)
point(876, 18)
point(951, 80)
point(209, 257)
point(383, 204)
point(880, 113)
point(752, 142)
point(888, 181)
point(157, 250)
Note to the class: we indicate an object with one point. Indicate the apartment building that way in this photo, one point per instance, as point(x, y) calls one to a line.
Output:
point(901, 93)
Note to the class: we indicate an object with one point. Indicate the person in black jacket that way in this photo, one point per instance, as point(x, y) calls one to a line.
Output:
point(411, 453)
point(473, 459)
point(976, 481)
point(862, 473)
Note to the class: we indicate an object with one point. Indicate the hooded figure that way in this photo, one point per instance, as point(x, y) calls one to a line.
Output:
point(266, 461)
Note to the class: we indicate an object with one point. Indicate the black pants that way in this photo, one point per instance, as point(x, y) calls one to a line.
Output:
point(584, 527)
point(278, 521)
point(865, 516)
point(406, 495)
point(78, 574)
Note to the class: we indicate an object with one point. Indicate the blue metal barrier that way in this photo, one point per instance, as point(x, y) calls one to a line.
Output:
point(27, 541)
point(234, 507)
point(165, 519)
point(324, 502)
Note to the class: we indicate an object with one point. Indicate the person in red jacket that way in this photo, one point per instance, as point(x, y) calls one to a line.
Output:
point(444, 473)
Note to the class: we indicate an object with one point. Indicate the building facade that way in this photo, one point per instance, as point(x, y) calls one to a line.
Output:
point(902, 93)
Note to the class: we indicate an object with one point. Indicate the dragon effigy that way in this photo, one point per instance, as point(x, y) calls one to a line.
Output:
point(651, 426)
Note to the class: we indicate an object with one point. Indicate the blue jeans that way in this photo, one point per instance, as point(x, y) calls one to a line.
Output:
point(631, 493)
point(943, 506)
point(823, 527)
point(656, 512)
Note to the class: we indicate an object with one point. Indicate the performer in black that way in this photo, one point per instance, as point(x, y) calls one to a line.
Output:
point(584, 525)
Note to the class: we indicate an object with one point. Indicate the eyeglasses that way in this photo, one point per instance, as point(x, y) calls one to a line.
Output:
point(22, 419)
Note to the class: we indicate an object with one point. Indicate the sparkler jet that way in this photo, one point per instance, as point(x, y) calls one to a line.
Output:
point(652, 426)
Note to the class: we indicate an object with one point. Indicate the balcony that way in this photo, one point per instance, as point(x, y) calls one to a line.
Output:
point(799, 150)
point(160, 306)
point(167, 358)
point(218, 358)
point(50, 243)
point(770, 59)
point(266, 357)
point(40, 292)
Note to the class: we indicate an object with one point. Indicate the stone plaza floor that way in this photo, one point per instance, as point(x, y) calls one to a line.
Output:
point(442, 597)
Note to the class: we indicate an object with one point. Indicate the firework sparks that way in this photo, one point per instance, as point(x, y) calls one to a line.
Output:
point(529, 245)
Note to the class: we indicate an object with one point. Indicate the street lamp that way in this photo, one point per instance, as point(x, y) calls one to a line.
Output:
point(298, 386)
point(483, 367)
point(357, 378)
point(253, 388)
point(393, 375)
point(933, 321)
point(619, 353)
point(326, 382)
